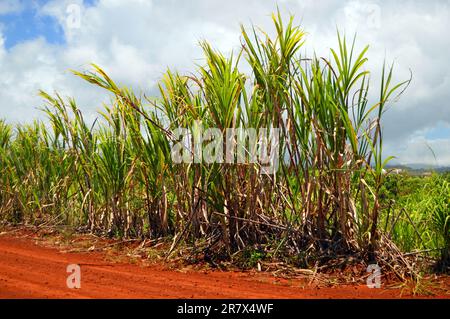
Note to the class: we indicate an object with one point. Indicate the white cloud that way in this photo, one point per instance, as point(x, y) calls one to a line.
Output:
point(136, 40)
point(10, 6)
point(2, 46)
point(419, 150)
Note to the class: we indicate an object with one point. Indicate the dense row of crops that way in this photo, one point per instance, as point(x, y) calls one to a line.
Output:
point(117, 175)
point(417, 214)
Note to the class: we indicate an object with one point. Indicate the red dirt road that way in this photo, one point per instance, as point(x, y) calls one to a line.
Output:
point(28, 270)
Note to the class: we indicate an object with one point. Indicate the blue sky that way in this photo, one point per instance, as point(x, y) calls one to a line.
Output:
point(136, 40)
point(440, 131)
point(28, 24)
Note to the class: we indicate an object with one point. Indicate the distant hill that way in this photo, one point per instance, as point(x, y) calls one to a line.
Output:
point(419, 168)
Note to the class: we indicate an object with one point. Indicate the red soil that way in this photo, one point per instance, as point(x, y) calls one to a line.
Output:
point(28, 270)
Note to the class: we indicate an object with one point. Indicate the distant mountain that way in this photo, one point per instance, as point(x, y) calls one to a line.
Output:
point(419, 167)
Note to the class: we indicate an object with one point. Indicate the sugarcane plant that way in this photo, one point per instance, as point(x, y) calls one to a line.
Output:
point(117, 175)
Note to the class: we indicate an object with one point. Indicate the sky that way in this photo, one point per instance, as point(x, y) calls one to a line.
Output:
point(135, 41)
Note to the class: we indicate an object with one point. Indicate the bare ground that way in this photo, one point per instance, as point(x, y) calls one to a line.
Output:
point(29, 269)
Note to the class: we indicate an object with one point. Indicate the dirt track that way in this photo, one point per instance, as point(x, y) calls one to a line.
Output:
point(31, 271)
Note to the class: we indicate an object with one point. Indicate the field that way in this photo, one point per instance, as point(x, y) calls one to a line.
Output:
point(331, 203)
